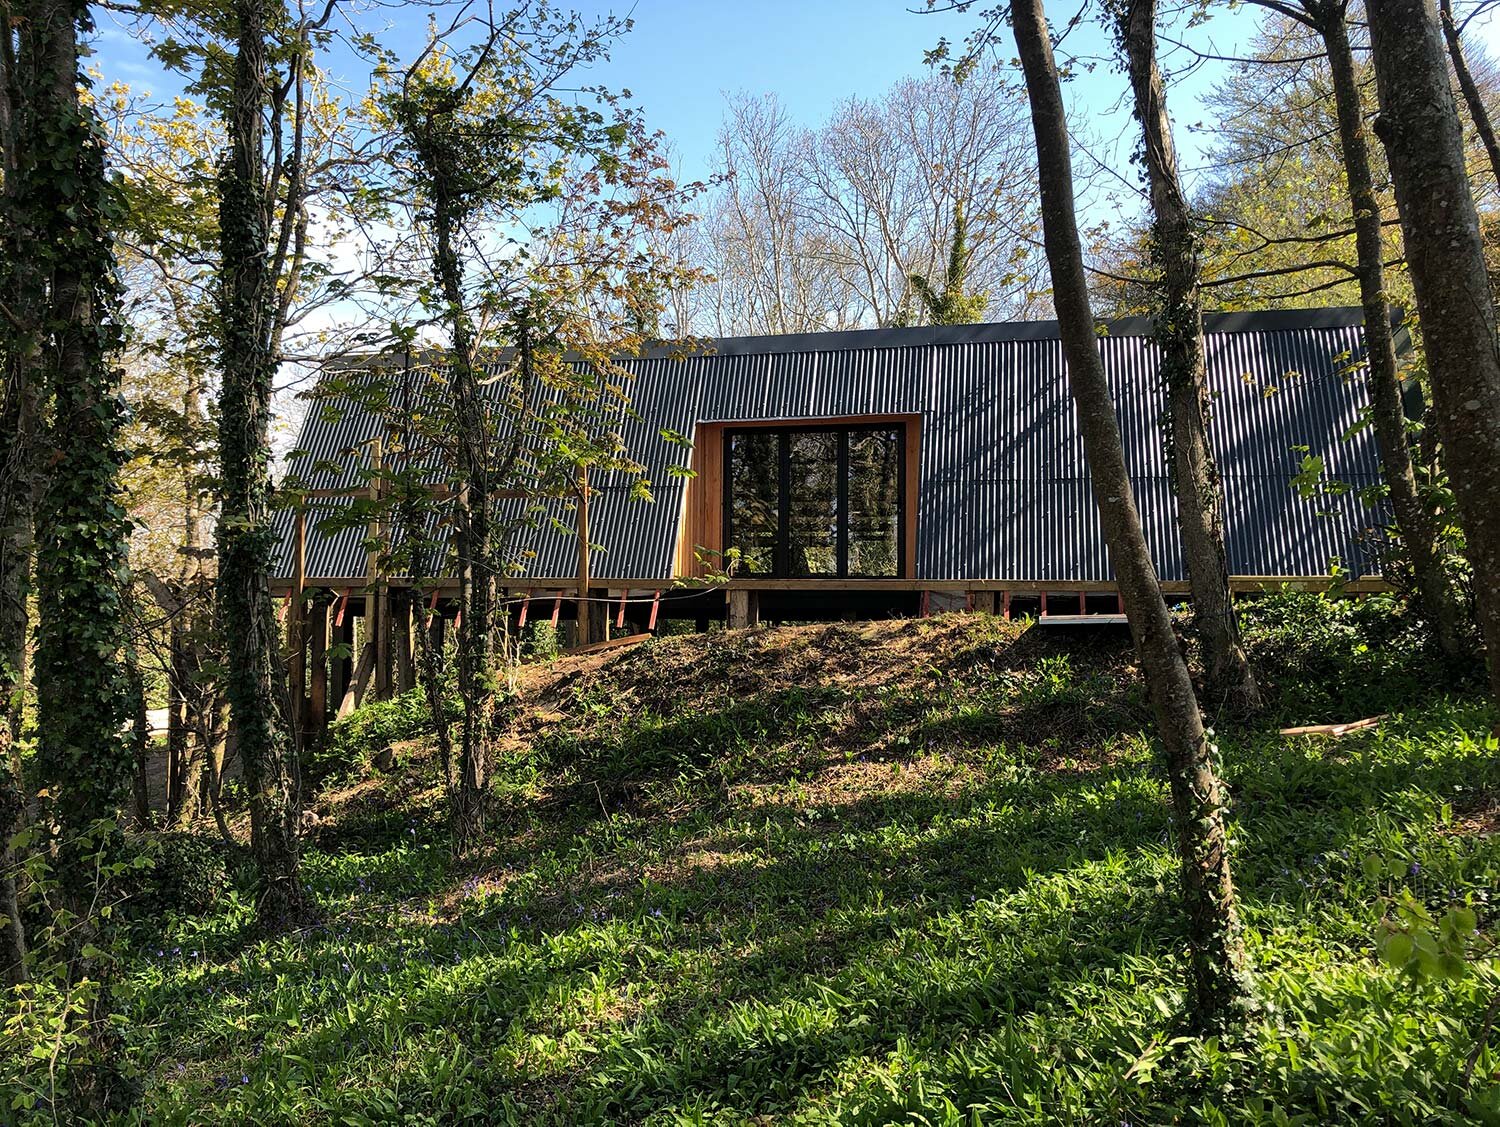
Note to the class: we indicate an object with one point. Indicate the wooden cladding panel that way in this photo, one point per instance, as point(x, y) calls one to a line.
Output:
point(701, 529)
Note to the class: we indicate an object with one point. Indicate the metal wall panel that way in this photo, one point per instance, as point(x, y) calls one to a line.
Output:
point(1003, 483)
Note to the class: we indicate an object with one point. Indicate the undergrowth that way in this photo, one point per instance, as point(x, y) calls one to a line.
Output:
point(912, 872)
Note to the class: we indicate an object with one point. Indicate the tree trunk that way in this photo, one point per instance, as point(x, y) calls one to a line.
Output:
point(194, 766)
point(1417, 528)
point(1179, 334)
point(257, 694)
point(81, 530)
point(1220, 985)
point(178, 724)
point(20, 290)
point(475, 536)
point(1478, 112)
point(1424, 146)
point(140, 738)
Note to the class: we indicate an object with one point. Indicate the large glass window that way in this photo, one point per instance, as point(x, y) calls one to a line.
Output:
point(802, 502)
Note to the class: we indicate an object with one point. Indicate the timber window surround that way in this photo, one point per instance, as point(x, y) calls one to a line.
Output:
point(816, 501)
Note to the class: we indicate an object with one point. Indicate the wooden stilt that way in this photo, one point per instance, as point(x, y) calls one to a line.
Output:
point(590, 625)
point(655, 606)
point(525, 606)
point(1083, 606)
point(1043, 613)
point(341, 667)
point(338, 618)
point(1005, 605)
point(556, 609)
point(406, 677)
point(744, 609)
point(620, 618)
point(296, 631)
point(317, 719)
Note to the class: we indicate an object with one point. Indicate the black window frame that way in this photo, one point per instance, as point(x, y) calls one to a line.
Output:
point(780, 568)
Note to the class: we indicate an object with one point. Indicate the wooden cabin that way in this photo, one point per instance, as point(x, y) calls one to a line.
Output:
point(879, 472)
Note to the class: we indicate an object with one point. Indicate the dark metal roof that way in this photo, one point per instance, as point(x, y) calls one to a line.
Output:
point(1003, 483)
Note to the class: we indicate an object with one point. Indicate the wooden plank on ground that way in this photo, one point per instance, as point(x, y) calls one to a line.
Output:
point(1334, 730)
point(356, 691)
point(612, 644)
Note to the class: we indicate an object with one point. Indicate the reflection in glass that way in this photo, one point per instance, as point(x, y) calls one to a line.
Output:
point(755, 499)
point(813, 504)
point(803, 502)
point(874, 517)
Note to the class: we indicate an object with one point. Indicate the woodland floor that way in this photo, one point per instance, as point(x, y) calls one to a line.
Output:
point(909, 871)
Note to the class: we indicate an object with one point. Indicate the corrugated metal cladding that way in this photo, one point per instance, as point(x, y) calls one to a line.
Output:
point(1004, 490)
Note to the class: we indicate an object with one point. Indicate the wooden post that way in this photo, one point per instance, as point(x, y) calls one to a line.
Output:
point(744, 609)
point(296, 632)
point(401, 623)
point(590, 621)
point(318, 705)
point(378, 599)
point(655, 606)
point(341, 671)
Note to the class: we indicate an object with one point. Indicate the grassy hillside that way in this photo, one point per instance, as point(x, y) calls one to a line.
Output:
point(910, 871)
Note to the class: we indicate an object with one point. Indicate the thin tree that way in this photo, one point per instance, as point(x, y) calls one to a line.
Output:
point(1178, 323)
point(486, 138)
point(1424, 145)
point(251, 267)
point(1221, 990)
point(1479, 113)
point(1414, 521)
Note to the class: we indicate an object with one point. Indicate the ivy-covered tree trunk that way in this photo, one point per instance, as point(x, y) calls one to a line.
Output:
point(1179, 334)
point(246, 539)
point(1220, 984)
point(1424, 147)
point(1417, 528)
point(20, 292)
point(83, 758)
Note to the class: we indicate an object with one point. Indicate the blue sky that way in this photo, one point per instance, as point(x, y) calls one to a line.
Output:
point(683, 56)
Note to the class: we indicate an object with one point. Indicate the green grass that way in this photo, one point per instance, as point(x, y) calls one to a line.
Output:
point(939, 890)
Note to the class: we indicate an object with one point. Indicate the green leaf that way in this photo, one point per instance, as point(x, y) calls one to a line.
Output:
point(1395, 948)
